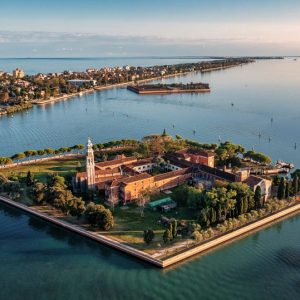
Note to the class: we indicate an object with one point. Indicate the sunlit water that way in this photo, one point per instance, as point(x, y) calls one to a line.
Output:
point(41, 261)
point(49, 65)
point(242, 102)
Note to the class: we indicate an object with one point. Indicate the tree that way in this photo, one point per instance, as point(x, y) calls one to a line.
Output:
point(107, 220)
point(30, 153)
point(257, 197)
point(40, 192)
point(3, 178)
point(148, 236)
point(41, 152)
point(99, 216)
point(258, 157)
point(29, 179)
point(204, 217)
point(174, 229)
point(295, 184)
point(181, 195)
point(287, 190)
point(281, 189)
point(167, 236)
point(170, 228)
point(143, 198)
point(49, 151)
point(76, 206)
point(18, 156)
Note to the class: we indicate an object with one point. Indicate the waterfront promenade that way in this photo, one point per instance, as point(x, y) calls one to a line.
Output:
point(210, 244)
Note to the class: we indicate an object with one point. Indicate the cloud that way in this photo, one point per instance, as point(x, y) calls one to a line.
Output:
point(37, 43)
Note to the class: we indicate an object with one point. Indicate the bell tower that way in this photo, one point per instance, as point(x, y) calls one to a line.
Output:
point(90, 166)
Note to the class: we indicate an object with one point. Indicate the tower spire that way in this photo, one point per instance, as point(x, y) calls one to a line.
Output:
point(90, 165)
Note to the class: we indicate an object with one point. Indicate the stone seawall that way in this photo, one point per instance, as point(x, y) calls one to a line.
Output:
point(231, 236)
point(147, 257)
point(91, 235)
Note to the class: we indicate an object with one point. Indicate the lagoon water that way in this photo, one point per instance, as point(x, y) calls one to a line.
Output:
point(49, 65)
point(38, 260)
point(41, 261)
point(242, 102)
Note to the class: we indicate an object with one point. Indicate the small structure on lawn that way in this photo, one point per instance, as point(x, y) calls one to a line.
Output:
point(165, 204)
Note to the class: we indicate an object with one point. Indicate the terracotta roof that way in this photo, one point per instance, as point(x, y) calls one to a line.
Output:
point(81, 175)
point(112, 183)
point(135, 178)
point(172, 174)
point(107, 171)
point(141, 162)
point(173, 159)
point(216, 172)
point(252, 181)
point(113, 162)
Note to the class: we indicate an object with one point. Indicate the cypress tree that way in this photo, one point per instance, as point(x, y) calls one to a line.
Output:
point(245, 205)
point(295, 184)
point(287, 190)
point(174, 229)
point(213, 216)
point(29, 179)
point(167, 236)
point(257, 197)
point(281, 189)
point(148, 236)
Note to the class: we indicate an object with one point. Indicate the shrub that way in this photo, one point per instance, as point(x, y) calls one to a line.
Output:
point(197, 236)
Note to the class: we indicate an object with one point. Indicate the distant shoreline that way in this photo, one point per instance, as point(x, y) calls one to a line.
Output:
point(123, 84)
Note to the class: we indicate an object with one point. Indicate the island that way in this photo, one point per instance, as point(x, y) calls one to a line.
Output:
point(161, 199)
point(19, 91)
point(172, 88)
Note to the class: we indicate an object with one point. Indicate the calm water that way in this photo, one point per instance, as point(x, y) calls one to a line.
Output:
point(40, 261)
point(49, 65)
point(259, 92)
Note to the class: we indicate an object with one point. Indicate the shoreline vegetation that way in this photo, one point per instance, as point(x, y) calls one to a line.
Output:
point(159, 88)
point(178, 256)
point(205, 216)
point(17, 94)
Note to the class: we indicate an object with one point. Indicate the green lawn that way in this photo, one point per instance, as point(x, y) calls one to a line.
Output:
point(40, 170)
point(130, 225)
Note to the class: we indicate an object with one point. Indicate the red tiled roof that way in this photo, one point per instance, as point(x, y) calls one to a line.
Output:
point(253, 180)
point(113, 162)
point(135, 178)
point(171, 174)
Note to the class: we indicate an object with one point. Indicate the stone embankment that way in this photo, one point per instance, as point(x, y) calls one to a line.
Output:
point(150, 258)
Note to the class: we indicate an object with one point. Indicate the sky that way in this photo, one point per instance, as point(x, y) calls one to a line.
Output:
point(63, 28)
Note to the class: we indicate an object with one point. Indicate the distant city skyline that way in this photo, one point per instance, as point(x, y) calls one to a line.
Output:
point(141, 28)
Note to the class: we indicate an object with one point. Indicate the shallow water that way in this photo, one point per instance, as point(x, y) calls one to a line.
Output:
point(258, 91)
point(39, 260)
